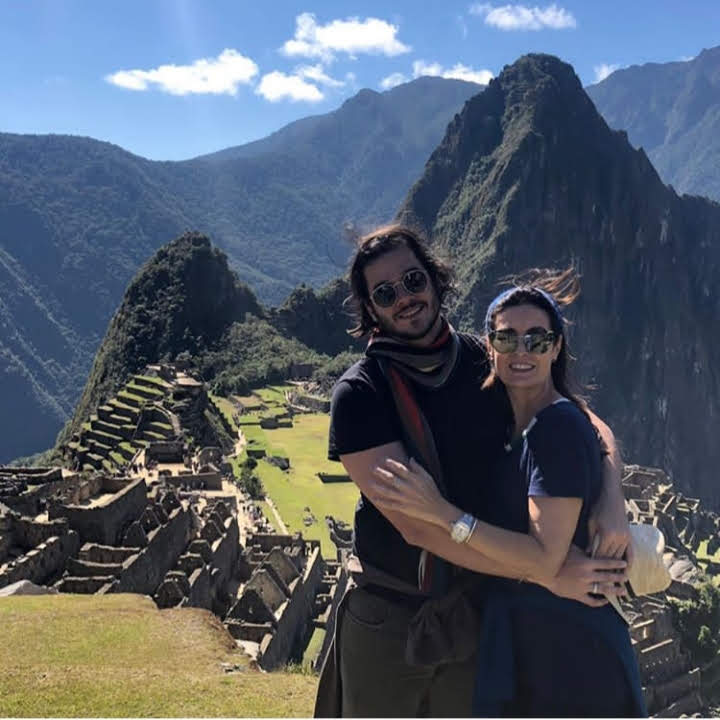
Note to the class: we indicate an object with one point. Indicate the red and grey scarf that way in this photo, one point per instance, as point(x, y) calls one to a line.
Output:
point(430, 366)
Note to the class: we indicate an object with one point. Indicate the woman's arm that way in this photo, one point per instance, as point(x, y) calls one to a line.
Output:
point(541, 553)
point(575, 580)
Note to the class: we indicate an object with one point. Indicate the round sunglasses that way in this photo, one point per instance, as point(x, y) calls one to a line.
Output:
point(385, 295)
point(536, 340)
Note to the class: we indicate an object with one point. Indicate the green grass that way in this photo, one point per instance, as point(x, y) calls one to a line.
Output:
point(249, 402)
point(131, 387)
point(125, 394)
point(306, 446)
point(119, 656)
point(313, 648)
point(255, 436)
point(273, 393)
point(227, 408)
point(702, 553)
point(155, 380)
point(270, 515)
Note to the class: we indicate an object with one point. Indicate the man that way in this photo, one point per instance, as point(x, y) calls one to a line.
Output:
point(419, 392)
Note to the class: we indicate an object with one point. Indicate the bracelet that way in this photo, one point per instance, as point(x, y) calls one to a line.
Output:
point(472, 530)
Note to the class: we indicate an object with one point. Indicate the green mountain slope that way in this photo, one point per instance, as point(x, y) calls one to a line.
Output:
point(672, 111)
point(78, 217)
point(530, 175)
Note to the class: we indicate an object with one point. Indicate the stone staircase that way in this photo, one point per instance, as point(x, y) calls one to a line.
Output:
point(123, 425)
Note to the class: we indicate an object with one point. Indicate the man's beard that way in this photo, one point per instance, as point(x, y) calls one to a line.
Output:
point(389, 329)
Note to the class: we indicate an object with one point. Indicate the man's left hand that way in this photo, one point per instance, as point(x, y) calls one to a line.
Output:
point(608, 526)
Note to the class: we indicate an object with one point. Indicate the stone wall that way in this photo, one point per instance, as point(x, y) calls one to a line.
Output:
point(142, 573)
point(294, 618)
point(171, 451)
point(43, 562)
point(332, 591)
point(32, 475)
point(31, 500)
point(29, 533)
point(201, 574)
point(195, 481)
point(104, 523)
point(333, 477)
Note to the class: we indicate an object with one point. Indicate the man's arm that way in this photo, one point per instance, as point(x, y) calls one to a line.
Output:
point(575, 579)
point(608, 519)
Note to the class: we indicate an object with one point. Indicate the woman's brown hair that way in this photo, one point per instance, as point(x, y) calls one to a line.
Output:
point(551, 291)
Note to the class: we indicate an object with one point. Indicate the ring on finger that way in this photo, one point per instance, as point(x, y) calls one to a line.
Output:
point(594, 588)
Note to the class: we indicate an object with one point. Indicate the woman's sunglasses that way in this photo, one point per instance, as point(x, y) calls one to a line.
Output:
point(385, 295)
point(536, 340)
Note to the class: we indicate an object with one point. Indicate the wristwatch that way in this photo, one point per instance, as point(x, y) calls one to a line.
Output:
point(461, 529)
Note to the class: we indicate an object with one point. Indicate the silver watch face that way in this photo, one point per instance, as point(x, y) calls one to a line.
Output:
point(461, 529)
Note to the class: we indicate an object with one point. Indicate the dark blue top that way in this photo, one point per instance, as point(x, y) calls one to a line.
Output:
point(559, 455)
point(541, 654)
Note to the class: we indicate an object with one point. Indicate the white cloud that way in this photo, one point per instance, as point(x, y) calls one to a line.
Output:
point(318, 75)
point(457, 71)
point(351, 36)
point(276, 86)
point(392, 81)
point(521, 17)
point(603, 70)
point(215, 76)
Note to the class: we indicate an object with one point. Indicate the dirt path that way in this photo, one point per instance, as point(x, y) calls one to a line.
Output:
point(240, 443)
point(281, 525)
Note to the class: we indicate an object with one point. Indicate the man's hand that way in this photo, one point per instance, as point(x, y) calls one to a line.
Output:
point(582, 578)
point(608, 524)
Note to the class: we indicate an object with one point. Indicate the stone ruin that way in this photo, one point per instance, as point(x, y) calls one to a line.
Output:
point(672, 684)
point(163, 404)
point(282, 578)
point(182, 546)
point(305, 402)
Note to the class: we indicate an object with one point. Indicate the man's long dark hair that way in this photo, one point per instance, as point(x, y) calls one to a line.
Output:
point(374, 245)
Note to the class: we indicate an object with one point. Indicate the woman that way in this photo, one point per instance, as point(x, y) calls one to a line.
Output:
point(540, 655)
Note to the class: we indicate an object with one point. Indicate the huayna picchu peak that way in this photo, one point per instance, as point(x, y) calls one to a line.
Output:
point(530, 175)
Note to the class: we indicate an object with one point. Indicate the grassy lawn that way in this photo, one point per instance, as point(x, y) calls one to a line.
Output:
point(273, 393)
point(269, 514)
point(227, 408)
point(249, 402)
point(119, 656)
point(702, 553)
point(306, 446)
point(313, 648)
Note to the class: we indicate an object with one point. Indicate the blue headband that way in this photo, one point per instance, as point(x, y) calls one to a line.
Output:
point(505, 294)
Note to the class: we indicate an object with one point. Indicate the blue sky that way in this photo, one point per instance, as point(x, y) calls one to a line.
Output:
point(172, 79)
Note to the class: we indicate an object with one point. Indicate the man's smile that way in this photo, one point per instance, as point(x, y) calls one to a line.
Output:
point(410, 311)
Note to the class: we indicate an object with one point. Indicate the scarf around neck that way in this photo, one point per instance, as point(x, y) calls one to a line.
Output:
point(429, 366)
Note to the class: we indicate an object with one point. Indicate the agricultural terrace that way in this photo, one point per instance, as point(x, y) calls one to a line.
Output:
point(119, 656)
point(305, 444)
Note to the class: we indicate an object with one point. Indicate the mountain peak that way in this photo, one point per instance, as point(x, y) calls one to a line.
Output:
point(533, 106)
point(183, 298)
point(529, 175)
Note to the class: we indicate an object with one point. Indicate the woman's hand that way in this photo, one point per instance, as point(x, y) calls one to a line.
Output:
point(583, 578)
point(409, 490)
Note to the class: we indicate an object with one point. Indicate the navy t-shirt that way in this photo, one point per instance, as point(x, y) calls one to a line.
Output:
point(468, 425)
point(558, 456)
